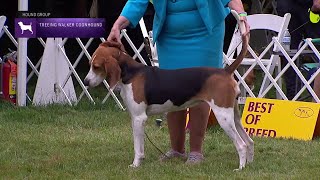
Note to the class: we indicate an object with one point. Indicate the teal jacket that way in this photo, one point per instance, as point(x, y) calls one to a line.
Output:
point(212, 12)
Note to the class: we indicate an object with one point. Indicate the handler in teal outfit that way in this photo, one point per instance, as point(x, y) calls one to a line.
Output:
point(188, 33)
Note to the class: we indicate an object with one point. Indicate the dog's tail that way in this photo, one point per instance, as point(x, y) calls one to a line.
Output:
point(245, 41)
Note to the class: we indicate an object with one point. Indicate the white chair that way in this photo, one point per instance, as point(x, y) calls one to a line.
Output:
point(268, 22)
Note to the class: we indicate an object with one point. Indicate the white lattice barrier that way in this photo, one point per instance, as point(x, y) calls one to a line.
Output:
point(308, 43)
point(272, 77)
point(268, 62)
point(265, 65)
point(72, 67)
point(84, 51)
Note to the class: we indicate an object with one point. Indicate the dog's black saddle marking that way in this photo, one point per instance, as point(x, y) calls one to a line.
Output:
point(178, 86)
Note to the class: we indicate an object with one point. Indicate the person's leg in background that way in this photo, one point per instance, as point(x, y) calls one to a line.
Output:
point(301, 28)
point(316, 86)
point(290, 76)
point(292, 80)
point(313, 31)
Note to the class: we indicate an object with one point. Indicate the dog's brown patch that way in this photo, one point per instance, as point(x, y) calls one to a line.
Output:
point(138, 88)
point(223, 93)
point(113, 71)
point(113, 44)
point(250, 79)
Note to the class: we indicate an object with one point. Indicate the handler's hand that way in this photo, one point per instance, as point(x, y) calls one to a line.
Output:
point(316, 7)
point(114, 34)
point(244, 19)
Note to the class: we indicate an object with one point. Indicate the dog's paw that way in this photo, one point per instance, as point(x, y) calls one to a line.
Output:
point(137, 162)
point(241, 166)
point(134, 165)
point(236, 170)
point(239, 169)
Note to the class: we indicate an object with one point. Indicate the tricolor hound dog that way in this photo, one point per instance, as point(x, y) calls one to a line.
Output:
point(148, 90)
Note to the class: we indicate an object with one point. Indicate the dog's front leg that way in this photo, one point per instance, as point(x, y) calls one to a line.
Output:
point(138, 123)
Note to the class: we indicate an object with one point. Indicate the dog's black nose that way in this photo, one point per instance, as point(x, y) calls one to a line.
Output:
point(86, 82)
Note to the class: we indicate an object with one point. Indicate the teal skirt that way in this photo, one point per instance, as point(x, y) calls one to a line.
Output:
point(184, 40)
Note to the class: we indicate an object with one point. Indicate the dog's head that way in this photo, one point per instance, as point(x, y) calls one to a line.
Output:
point(104, 64)
point(20, 23)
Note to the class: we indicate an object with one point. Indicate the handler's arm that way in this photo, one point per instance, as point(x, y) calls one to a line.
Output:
point(129, 17)
point(238, 7)
point(316, 6)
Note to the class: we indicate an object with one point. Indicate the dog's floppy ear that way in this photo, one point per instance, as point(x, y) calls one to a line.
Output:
point(113, 44)
point(113, 71)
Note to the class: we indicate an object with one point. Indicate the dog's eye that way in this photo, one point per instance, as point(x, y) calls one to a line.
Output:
point(95, 67)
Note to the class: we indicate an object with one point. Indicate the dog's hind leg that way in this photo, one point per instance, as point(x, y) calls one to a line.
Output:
point(246, 138)
point(225, 117)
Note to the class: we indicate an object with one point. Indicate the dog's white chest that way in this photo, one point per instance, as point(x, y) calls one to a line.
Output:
point(128, 97)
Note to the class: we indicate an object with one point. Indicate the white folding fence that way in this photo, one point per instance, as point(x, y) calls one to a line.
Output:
point(308, 44)
point(72, 67)
point(272, 75)
point(273, 78)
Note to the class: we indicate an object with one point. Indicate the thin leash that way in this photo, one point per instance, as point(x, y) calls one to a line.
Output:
point(299, 27)
point(161, 152)
point(262, 48)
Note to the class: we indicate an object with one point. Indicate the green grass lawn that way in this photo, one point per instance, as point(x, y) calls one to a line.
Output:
point(95, 142)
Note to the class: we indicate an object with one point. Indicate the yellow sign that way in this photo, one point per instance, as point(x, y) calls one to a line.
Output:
point(280, 118)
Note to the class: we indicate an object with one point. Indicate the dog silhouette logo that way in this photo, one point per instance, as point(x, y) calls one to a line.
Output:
point(25, 27)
